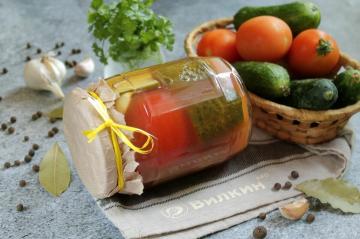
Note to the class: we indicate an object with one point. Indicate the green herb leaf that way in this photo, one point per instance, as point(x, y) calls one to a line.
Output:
point(56, 113)
point(54, 174)
point(337, 192)
point(131, 30)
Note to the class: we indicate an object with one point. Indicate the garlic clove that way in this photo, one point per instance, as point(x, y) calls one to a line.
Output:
point(85, 67)
point(295, 210)
point(45, 73)
point(122, 103)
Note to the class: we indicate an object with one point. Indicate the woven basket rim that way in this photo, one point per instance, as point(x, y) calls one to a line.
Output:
point(301, 114)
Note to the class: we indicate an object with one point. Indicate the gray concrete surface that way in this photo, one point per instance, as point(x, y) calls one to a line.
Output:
point(74, 214)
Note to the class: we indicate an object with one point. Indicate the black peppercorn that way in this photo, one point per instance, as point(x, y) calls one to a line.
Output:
point(58, 53)
point(12, 119)
point(294, 174)
point(62, 44)
point(17, 163)
point(35, 147)
point(31, 153)
point(28, 45)
point(277, 187)
point(260, 232)
point(74, 63)
point(0, 98)
point(310, 218)
point(38, 51)
point(28, 58)
point(26, 138)
point(55, 130)
point(51, 134)
point(287, 185)
point(22, 183)
point(7, 165)
point(35, 168)
point(19, 207)
point(262, 216)
point(53, 120)
point(34, 117)
point(78, 51)
point(39, 114)
point(11, 130)
point(73, 51)
point(27, 159)
point(3, 126)
point(4, 71)
point(57, 45)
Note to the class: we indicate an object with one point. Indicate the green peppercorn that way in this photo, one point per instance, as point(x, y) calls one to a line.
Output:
point(35, 168)
point(310, 218)
point(260, 232)
point(277, 187)
point(19, 207)
point(22, 183)
point(262, 216)
point(4, 126)
point(13, 119)
point(11, 130)
point(7, 165)
point(27, 158)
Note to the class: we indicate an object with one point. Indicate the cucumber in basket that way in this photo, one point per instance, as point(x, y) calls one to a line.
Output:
point(298, 15)
point(268, 80)
point(348, 84)
point(313, 94)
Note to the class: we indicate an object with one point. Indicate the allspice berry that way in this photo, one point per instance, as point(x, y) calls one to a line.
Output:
point(17, 163)
point(36, 168)
point(19, 207)
point(277, 187)
point(310, 218)
point(22, 183)
point(262, 216)
point(260, 232)
point(7, 165)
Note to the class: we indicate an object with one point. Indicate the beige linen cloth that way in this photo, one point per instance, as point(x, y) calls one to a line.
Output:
point(227, 194)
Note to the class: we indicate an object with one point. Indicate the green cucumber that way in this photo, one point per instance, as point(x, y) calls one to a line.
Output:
point(298, 15)
point(268, 80)
point(348, 85)
point(214, 117)
point(313, 94)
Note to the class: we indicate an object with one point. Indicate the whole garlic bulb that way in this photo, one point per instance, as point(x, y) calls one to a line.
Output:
point(85, 67)
point(45, 73)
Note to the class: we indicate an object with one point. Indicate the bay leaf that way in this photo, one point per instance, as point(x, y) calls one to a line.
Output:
point(54, 174)
point(56, 113)
point(337, 192)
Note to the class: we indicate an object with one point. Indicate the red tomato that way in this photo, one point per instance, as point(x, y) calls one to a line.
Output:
point(219, 42)
point(157, 113)
point(263, 38)
point(313, 53)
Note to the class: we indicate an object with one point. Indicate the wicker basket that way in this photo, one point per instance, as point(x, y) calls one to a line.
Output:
point(284, 122)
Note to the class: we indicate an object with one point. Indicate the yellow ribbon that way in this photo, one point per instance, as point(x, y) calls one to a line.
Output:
point(115, 131)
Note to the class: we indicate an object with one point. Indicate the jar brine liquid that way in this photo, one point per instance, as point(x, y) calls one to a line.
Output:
point(196, 109)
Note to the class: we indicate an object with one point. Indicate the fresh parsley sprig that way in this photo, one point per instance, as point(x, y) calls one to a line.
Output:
point(128, 30)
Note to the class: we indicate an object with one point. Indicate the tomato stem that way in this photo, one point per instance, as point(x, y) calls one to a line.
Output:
point(324, 47)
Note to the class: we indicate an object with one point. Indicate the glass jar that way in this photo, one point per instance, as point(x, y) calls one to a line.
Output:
point(196, 109)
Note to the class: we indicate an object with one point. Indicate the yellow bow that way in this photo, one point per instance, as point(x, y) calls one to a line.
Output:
point(115, 130)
